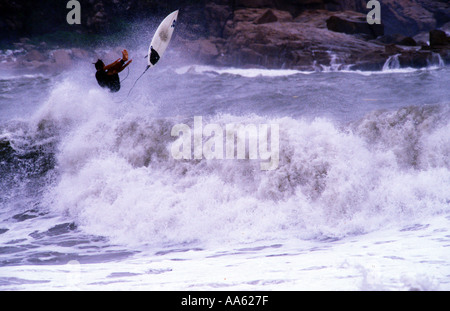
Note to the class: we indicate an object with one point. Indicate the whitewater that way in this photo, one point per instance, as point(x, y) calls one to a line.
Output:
point(92, 198)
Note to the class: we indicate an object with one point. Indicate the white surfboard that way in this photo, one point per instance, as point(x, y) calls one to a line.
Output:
point(161, 39)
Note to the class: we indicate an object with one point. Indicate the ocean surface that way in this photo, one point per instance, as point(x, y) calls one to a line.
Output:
point(91, 197)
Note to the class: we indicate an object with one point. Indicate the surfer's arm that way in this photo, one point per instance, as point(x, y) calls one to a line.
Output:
point(125, 66)
point(112, 65)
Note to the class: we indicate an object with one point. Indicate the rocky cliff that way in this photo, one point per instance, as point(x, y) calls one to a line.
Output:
point(301, 34)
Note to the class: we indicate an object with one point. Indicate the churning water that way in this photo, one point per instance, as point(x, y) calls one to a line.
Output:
point(91, 197)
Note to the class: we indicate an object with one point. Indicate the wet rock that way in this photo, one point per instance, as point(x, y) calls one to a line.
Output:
point(203, 49)
point(354, 25)
point(397, 39)
point(35, 55)
point(406, 16)
point(266, 17)
point(392, 49)
point(218, 15)
point(302, 43)
point(438, 38)
point(415, 59)
point(255, 3)
point(408, 41)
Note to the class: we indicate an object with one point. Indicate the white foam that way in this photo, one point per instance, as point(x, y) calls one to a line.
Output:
point(116, 176)
point(118, 179)
point(244, 72)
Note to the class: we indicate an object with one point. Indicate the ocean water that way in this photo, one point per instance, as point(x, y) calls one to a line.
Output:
point(91, 197)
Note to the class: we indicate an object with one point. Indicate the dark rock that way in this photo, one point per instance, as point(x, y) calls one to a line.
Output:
point(415, 59)
point(255, 3)
point(253, 15)
point(267, 17)
point(303, 42)
point(6, 151)
point(438, 38)
point(397, 39)
point(391, 39)
point(356, 25)
point(271, 33)
point(218, 15)
point(408, 41)
point(392, 49)
point(407, 17)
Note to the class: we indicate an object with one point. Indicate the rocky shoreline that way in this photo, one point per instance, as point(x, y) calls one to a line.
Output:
point(301, 34)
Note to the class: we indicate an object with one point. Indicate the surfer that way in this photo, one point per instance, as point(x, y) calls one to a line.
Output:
point(108, 76)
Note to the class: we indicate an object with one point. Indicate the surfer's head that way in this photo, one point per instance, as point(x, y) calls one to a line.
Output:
point(99, 65)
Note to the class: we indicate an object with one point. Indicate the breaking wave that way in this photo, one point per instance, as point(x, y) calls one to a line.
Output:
point(109, 169)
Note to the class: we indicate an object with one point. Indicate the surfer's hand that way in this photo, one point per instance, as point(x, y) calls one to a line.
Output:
point(124, 55)
point(125, 66)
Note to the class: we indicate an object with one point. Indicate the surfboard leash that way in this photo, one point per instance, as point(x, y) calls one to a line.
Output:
point(129, 92)
point(148, 66)
point(128, 73)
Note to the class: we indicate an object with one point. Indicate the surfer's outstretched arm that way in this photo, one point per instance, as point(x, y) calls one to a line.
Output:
point(112, 64)
point(125, 66)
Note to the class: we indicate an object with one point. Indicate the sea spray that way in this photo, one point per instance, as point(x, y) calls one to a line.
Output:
point(330, 182)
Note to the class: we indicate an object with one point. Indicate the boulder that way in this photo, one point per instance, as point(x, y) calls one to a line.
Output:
point(35, 55)
point(407, 17)
point(217, 15)
point(255, 3)
point(392, 49)
point(203, 49)
point(408, 41)
point(354, 25)
point(397, 39)
point(267, 17)
point(415, 59)
point(438, 38)
point(295, 43)
point(261, 16)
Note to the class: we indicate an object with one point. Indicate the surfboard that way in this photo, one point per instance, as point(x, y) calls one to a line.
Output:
point(159, 44)
point(161, 39)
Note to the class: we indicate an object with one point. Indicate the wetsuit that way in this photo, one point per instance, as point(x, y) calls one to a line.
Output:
point(110, 81)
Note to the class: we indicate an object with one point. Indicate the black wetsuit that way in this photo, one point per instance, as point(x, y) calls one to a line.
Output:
point(110, 81)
